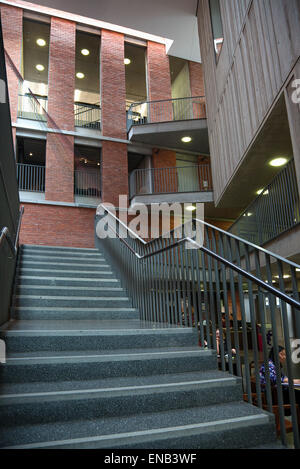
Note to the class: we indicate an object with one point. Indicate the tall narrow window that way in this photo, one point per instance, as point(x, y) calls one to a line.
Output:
point(217, 27)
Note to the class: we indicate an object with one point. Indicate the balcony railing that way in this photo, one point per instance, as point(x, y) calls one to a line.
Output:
point(31, 177)
point(87, 183)
point(87, 115)
point(196, 178)
point(31, 108)
point(167, 110)
point(276, 210)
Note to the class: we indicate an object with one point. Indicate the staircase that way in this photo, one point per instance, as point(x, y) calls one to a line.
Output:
point(83, 371)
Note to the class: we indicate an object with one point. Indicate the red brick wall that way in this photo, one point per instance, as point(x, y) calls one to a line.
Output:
point(12, 27)
point(113, 91)
point(197, 89)
point(59, 167)
point(57, 226)
point(159, 82)
point(60, 148)
point(114, 171)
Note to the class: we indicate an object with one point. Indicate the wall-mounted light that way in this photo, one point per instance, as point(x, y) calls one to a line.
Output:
point(261, 191)
point(127, 61)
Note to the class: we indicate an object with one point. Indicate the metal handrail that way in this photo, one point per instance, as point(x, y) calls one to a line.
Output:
point(182, 287)
point(165, 100)
point(219, 230)
point(5, 234)
point(239, 270)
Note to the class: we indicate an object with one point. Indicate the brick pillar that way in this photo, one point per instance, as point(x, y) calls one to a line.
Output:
point(12, 28)
point(60, 148)
point(159, 82)
point(114, 168)
point(197, 89)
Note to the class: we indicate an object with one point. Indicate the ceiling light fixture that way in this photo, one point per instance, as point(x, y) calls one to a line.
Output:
point(80, 75)
point(40, 67)
point(127, 61)
point(277, 162)
point(190, 208)
point(186, 139)
point(261, 191)
point(85, 52)
point(41, 42)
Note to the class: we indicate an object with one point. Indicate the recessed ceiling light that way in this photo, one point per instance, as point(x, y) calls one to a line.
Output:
point(98, 164)
point(278, 162)
point(85, 51)
point(260, 191)
point(186, 139)
point(40, 67)
point(80, 75)
point(127, 61)
point(30, 154)
point(41, 42)
point(190, 208)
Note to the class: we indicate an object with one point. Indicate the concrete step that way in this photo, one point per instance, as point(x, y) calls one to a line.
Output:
point(68, 301)
point(72, 272)
point(63, 366)
point(62, 259)
point(94, 266)
point(62, 290)
point(71, 314)
point(103, 401)
point(95, 339)
point(40, 248)
point(67, 281)
point(229, 425)
point(68, 254)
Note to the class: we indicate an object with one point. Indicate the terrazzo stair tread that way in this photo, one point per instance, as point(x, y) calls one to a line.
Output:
point(84, 366)
point(116, 401)
point(95, 339)
point(271, 445)
point(48, 313)
point(61, 255)
point(32, 290)
point(39, 247)
point(45, 326)
point(48, 387)
point(224, 426)
point(77, 301)
point(65, 281)
point(65, 273)
point(64, 265)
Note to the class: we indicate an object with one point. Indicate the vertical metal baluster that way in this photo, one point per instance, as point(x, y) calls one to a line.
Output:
point(218, 301)
point(199, 297)
point(188, 284)
point(275, 347)
point(286, 334)
point(183, 272)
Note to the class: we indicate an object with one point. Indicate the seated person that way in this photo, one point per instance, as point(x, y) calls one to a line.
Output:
point(272, 371)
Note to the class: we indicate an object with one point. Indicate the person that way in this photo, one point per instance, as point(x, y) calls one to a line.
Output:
point(272, 371)
point(218, 340)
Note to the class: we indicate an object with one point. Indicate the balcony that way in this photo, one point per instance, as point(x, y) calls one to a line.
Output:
point(32, 107)
point(165, 122)
point(87, 116)
point(87, 185)
point(275, 211)
point(31, 178)
point(176, 184)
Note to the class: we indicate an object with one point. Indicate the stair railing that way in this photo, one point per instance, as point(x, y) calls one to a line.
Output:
point(6, 236)
point(225, 284)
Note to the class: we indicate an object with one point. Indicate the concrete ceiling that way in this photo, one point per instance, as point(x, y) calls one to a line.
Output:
point(172, 19)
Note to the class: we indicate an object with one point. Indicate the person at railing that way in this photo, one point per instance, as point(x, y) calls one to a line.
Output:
point(273, 375)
